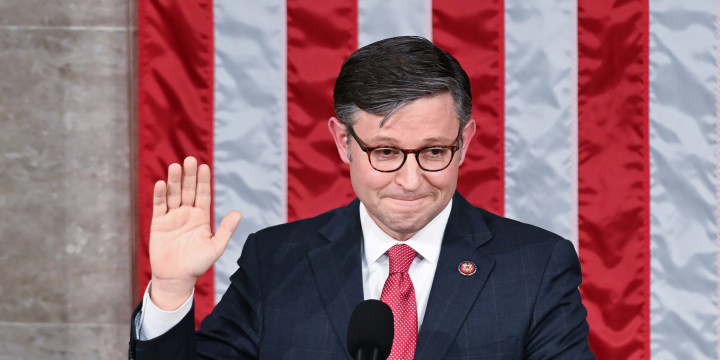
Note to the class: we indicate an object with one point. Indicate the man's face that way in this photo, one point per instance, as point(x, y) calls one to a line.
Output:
point(403, 202)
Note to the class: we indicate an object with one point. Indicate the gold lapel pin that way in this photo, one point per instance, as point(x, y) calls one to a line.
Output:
point(467, 268)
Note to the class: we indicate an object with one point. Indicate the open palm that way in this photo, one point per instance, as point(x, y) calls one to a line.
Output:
point(182, 245)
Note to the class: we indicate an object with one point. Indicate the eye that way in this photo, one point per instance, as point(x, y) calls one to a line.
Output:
point(386, 154)
point(432, 153)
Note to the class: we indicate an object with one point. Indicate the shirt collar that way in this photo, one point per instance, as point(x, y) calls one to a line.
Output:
point(426, 242)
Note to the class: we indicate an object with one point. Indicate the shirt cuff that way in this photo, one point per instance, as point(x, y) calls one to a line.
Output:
point(153, 321)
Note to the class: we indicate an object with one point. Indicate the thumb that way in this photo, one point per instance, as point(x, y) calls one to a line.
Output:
point(227, 227)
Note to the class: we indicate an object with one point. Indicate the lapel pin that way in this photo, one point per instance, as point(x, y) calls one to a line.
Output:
point(467, 268)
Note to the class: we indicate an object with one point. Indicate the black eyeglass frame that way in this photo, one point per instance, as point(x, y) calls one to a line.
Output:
point(368, 150)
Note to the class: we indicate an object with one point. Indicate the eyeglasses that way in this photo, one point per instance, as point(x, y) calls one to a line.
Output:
point(390, 158)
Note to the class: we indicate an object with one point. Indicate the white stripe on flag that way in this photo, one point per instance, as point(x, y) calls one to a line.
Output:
point(683, 213)
point(380, 19)
point(541, 114)
point(250, 157)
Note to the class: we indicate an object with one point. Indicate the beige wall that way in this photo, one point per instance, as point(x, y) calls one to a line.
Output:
point(65, 168)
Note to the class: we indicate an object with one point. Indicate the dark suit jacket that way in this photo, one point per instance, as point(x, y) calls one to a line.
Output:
point(299, 282)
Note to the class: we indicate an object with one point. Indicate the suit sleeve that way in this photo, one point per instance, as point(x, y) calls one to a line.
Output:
point(559, 329)
point(231, 331)
point(176, 343)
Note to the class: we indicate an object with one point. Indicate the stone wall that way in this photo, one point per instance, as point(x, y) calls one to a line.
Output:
point(66, 163)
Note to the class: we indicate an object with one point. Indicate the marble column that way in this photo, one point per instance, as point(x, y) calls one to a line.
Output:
point(66, 199)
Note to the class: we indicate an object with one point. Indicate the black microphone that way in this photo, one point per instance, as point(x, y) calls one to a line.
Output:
point(371, 331)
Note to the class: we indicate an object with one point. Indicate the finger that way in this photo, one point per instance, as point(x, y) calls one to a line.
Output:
point(204, 195)
point(189, 181)
point(227, 227)
point(173, 185)
point(159, 200)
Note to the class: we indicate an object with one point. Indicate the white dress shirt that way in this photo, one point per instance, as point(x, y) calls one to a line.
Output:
point(153, 322)
point(375, 262)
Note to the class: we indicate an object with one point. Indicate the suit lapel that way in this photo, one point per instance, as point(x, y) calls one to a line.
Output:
point(337, 268)
point(453, 294)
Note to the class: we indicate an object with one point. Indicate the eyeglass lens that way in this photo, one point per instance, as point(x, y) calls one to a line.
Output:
point(431, 158)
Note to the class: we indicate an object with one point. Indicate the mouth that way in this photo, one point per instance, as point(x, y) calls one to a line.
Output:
point(407, 199)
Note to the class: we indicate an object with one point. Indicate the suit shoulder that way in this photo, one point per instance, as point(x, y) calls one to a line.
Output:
point(501, 225)
point(516, 242)
point(509, 234)
point(302, 230)
point(501, 229)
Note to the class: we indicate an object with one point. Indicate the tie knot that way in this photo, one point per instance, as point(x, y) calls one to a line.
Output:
point(401, 256)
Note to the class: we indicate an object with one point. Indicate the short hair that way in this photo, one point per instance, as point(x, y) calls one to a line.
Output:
point(384, 76)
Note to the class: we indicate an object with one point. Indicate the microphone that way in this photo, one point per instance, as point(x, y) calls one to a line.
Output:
point(371, 331)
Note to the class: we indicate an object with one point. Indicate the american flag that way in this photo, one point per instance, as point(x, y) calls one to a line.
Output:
point(597, 120)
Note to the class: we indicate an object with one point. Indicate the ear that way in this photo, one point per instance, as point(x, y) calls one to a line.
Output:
point(467, 135)
point(340, 135)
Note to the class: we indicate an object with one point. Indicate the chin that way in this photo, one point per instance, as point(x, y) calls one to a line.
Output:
point(406, 225)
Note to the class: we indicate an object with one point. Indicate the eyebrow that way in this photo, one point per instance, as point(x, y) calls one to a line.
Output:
point(383, 140)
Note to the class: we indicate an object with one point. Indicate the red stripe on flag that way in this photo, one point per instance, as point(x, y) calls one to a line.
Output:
point(175, 109)
point(320, 35)
point(613, 175)
point(472, 31)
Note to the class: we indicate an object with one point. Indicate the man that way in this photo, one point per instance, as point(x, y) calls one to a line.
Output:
point(473, 285)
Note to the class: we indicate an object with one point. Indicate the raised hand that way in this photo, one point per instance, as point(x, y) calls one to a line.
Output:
point(182, 245)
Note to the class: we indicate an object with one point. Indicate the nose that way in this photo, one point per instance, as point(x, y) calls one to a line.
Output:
point(409, 176)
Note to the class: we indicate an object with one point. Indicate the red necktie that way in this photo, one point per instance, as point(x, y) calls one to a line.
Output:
point(399, 294)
